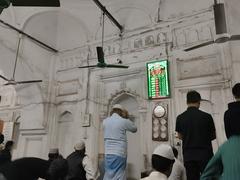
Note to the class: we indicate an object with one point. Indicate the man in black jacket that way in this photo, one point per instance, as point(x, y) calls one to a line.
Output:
point(196, 129)
point(232, 115)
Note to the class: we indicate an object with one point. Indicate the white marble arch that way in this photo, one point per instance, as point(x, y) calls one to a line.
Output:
point(64, 134)
point(65, 30)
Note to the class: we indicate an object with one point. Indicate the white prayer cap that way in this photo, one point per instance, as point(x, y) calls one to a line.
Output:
point(79, 146)
point(117, 106)
point(164, 150)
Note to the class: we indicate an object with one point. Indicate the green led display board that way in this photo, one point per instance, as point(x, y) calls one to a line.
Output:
point(158, 79)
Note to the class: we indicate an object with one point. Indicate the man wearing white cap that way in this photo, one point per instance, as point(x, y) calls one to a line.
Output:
point(162, 162)
point(115, 141)
point(80, 166)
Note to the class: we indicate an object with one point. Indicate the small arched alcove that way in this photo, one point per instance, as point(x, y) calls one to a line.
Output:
point(64, 30)
point(65, 122)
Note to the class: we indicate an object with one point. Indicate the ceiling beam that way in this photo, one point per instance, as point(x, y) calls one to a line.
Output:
point(30, 37)
point(105, 11)
point(41, 3)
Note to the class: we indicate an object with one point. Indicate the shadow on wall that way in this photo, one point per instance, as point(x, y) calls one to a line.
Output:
point(130, 168)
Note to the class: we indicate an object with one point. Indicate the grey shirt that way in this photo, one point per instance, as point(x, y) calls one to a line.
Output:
point(115, 138)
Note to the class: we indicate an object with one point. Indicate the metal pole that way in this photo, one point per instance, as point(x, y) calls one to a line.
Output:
point(103, 28)
point(109, 15)
point(220, 18)
point(16, 58)
point(30, 37)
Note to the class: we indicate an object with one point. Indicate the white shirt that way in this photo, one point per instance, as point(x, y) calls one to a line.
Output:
point(178, 171)
point(155, 175)
point(87, 165)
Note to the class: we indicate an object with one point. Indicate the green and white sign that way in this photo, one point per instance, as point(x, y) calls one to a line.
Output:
point(158, 83)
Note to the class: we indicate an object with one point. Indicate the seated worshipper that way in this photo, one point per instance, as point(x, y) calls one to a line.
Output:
point(178, 170)
point(5, 154)
point(53, 154)
point(162, 163)
point(28, 168)
point(225, 164)
point(58, 169)
point(79, 164)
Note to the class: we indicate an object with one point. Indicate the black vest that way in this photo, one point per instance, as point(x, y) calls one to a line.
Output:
point(76, 170)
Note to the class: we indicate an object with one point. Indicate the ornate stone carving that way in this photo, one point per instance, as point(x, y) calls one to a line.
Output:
point(118, 94)
point(138, 43)
point(68, 87)
point(6, 115)
point(161, 38)
point(8, 96)
point(205, 33)
point(72, 59)
point(123, 85)
point(65, 116)
point(193, 33)
point(198, 67)
point(192, 36)
point(149, 40)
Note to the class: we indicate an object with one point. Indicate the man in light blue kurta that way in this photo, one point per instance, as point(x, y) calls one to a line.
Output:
point(225, 164)
point(115, 142)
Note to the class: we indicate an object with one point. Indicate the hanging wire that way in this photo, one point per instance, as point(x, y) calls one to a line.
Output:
point(103, 15)
point(16, 58)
